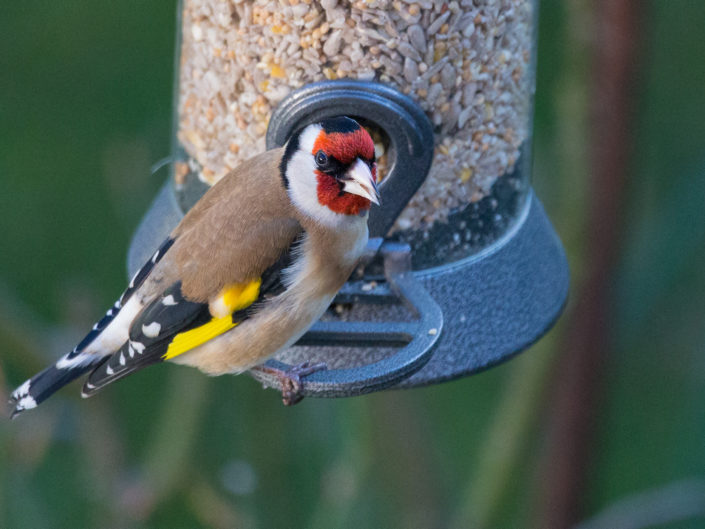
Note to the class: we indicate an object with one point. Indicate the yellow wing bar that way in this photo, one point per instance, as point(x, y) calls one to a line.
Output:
point(186, 341)
point(231, 299)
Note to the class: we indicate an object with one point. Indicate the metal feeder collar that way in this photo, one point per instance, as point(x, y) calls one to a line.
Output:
point(471, 314)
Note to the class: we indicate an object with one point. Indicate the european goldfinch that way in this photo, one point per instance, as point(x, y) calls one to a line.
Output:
point(245, 273)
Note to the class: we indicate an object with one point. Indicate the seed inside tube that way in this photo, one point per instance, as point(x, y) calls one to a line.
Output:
point(466, 65)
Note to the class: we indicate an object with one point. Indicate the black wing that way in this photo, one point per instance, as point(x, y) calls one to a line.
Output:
point(171, 320)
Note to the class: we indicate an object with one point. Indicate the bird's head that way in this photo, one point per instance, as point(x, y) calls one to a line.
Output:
point(329, 169)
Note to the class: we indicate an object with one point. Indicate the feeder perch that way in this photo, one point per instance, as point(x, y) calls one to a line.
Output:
point(463, 269)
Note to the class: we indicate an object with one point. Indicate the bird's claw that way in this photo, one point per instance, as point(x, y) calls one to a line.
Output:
point(290, 380)
point(291, 383)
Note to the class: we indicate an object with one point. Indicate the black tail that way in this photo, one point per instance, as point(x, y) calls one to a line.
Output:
point(119, 365)
point(42, 385)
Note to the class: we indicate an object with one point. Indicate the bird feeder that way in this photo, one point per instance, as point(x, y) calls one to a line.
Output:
point(463, 269)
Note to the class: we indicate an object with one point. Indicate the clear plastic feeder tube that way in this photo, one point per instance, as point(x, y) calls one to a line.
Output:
point(469, 65)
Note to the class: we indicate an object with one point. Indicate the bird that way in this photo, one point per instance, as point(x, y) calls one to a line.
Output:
point(251, 266)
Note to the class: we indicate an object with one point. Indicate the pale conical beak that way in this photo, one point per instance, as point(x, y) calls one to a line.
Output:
point(359, 181)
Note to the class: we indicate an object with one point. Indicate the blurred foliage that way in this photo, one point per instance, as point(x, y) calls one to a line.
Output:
point(85, 108)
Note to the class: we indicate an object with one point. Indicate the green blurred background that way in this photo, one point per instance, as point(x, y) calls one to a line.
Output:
point(85, 109)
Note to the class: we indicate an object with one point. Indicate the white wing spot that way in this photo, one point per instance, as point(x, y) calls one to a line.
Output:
point(152, 330)
point(155, 256)
point(169, 301)
point(137, 346)
point(109, 370)
point(122, 359)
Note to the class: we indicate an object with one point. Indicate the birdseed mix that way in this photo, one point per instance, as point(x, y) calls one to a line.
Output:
point(467, 63)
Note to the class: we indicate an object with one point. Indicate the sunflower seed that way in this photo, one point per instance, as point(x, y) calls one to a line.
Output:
point(417, 37)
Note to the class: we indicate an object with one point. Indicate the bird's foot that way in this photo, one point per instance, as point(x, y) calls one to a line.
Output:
point(290, 380)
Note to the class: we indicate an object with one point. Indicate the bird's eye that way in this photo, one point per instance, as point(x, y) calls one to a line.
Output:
point(321, 159)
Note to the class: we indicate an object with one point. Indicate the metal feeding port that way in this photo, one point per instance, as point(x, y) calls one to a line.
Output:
point(403, 123)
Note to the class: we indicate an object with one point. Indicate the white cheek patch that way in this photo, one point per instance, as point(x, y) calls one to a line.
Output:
point(303, 184)
point(303, 189)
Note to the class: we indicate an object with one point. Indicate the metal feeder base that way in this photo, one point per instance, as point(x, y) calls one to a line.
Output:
point(496, 303)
